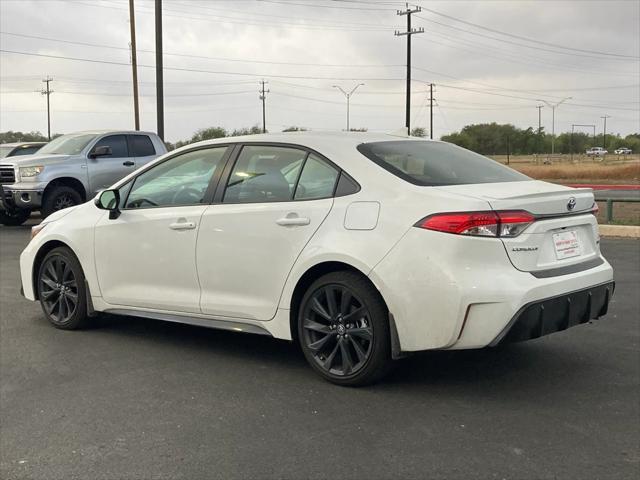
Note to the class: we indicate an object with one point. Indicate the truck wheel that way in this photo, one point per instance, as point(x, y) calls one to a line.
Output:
point(13, 218)
point(58, 198)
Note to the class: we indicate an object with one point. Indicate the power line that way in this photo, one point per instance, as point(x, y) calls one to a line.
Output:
point(235, 20)
point(549, 44)
point(204, 57)
point(312, 5)
point(514, 43)
point(489, 51)
point(180, 69)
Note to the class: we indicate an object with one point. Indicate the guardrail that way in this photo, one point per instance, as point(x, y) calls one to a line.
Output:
point(611, 201)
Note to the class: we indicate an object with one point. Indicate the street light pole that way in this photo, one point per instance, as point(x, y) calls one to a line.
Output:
point(553, 120)
point(348, 97)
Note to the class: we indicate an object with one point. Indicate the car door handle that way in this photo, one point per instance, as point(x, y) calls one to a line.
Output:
point(128, 163)
point(293, 220)
point(182, 226)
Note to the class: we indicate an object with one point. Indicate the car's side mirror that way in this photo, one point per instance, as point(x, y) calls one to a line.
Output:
point(109, 200)
point(101, 151)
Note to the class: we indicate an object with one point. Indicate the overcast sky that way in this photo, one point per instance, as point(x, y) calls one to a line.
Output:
point(479, 54)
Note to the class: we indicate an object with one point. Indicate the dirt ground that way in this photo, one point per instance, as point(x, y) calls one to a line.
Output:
point(623, 173)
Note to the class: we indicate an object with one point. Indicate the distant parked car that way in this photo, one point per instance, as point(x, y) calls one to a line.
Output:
point(596, 152)
point(70, 170)
point(623, 151)
point(20, 148)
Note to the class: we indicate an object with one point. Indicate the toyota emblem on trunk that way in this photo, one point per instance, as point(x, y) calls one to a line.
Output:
point(571, 204)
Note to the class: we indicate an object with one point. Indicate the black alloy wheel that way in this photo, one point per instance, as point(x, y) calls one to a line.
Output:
point(59, 198)
point(61, 289)
point(343, 329)
point(63, 201)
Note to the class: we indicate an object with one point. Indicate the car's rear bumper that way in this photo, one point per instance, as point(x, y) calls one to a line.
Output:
point(454, 292)
point(557, 313)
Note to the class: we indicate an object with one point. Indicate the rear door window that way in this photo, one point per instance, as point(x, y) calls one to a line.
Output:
point(141, 146)
point(318, 180)
point(264, 173)
point(429, 163)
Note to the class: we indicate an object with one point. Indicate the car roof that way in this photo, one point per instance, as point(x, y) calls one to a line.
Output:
point(116, 132)
point(315, 140)
point(21, 144)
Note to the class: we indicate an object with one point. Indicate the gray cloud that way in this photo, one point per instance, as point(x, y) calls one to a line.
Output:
point(480, 76)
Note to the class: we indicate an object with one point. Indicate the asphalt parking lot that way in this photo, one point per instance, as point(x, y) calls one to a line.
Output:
point(141, 399)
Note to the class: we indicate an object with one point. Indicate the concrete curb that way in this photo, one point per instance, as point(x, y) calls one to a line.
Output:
point(619, 231)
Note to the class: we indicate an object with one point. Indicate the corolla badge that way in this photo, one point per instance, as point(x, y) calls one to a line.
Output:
point(571, 204)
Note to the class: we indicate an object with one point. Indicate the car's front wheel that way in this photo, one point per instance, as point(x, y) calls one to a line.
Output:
point(62, 290)
point(343, 329)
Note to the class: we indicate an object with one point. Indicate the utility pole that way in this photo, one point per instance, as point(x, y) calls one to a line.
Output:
point(431, 99)
point(553, 120)
point(159, 73)
point(134, 65)
point(348, 97)
point(263, 97)
point(604, 132)
point(539, 107)
point(410, 31)
point(47, 91)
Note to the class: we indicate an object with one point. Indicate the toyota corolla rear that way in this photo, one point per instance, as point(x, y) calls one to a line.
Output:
point(492, 257)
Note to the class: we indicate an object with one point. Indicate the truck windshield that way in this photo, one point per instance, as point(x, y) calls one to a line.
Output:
point(67, 144)
point(429, 163)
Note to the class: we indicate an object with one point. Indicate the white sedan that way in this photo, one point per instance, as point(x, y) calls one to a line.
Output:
point(361, 247)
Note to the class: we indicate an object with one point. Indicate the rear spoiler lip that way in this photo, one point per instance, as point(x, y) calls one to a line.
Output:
point(550, 216)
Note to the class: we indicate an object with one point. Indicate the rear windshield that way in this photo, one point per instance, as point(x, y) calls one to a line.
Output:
point(437, 163)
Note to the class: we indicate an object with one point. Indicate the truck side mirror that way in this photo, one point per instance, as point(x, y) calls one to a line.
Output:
point(101, 151)
point(109, 200)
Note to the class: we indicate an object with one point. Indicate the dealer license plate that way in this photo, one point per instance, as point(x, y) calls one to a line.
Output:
point(567, 244)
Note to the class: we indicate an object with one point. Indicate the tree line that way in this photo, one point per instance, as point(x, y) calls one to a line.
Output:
point(497, 139)
point(484, 138)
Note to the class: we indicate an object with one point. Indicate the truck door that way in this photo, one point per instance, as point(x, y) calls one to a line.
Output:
point(106, 170)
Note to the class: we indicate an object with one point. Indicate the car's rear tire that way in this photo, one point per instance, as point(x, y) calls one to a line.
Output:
point(343, 329)
point(62, 289)
point(14, 218)
point(58, 198)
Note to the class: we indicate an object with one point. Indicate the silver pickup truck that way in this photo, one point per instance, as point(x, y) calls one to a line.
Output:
point(70, 170)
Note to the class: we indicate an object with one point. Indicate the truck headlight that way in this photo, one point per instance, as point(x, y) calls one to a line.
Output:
point(26, 172)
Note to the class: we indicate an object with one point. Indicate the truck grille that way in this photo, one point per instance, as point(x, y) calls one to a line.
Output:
point(7, 175)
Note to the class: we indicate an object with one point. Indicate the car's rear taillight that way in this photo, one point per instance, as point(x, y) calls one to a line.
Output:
point(508, 223)
point(595, 209)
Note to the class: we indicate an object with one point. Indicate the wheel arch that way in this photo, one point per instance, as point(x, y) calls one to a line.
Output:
point(312, 274)
point(70, 182)
point(44, 249)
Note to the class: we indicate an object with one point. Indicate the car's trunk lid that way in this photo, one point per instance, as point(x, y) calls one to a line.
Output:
point(565, 232)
